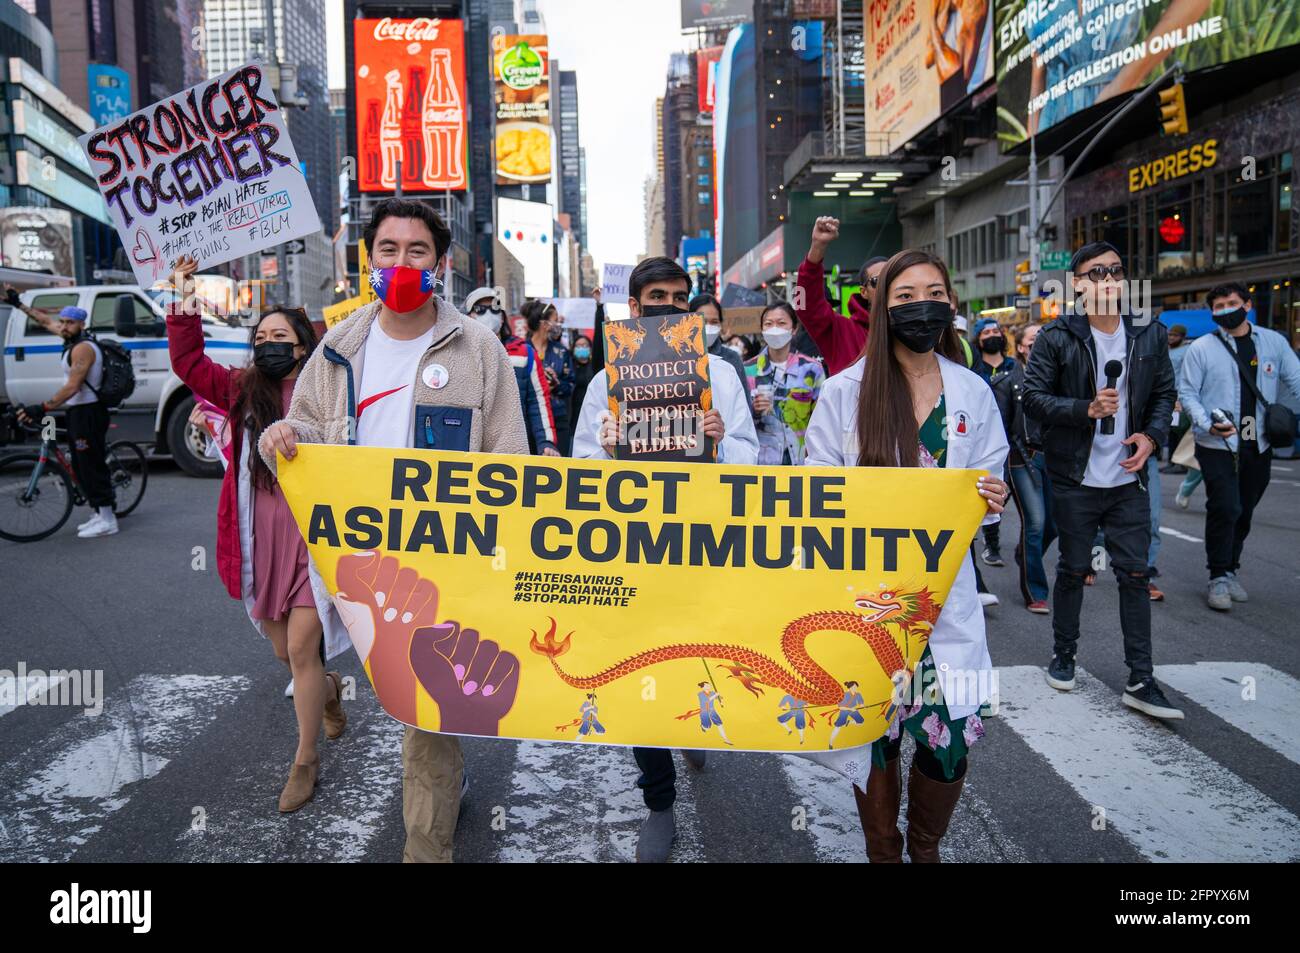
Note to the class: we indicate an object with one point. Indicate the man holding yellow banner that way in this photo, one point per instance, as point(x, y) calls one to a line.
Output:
point(407, 371)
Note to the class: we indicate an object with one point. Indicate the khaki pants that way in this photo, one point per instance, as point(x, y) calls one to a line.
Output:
point(432, 768)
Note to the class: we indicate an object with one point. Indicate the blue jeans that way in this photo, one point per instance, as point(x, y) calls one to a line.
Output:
point(1033, 493)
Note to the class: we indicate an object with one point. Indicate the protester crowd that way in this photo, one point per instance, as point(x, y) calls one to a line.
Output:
point(1069, 419)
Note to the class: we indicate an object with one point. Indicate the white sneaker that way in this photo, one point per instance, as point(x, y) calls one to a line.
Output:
point(94, 518)
point(101, 527)
point(288, 689)
point(1182, 501)
point(988, 599)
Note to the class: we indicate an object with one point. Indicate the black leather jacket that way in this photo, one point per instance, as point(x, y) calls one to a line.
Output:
point(1061, 381)
point(1022, 433)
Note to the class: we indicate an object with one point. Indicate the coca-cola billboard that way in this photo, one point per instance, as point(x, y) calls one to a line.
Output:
point(411, 100)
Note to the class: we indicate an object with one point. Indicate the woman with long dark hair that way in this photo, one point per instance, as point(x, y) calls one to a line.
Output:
point(261, 555)
point(910, 401)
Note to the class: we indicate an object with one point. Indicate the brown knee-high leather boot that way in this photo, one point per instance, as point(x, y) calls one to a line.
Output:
point(878, 811)
point(930, 805)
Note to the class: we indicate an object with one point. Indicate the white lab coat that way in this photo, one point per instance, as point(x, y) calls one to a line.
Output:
point(958, 641)
point(739, 441)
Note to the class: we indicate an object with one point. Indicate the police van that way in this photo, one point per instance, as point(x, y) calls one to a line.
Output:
point(159, 409)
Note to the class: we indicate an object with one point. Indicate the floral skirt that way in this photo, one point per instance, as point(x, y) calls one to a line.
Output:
point(926, 719)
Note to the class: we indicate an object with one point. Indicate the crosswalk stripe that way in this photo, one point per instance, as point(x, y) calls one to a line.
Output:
point(361, 774)
point(1271, 712)
point(23, 690)
point(581, 803)
point(88, 768)
point(1169, 800)
point(1169, 531)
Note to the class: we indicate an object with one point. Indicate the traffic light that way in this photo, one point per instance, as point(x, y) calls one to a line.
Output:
point(1173, 111)
point(1022, 269)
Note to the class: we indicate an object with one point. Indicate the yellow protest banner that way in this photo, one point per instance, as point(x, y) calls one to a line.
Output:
point(335, 313)
point(690, 605)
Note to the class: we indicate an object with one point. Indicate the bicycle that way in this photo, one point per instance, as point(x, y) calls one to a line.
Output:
point(38, 489)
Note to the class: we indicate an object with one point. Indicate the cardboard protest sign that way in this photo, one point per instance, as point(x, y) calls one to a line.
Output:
point(659, 389)
point(209, 172)
point(577, 600)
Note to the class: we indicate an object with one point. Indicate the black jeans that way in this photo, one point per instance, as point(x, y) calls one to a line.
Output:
point(1123, 514)
point(1231, 494)
point(88, 437)
point(658, 781)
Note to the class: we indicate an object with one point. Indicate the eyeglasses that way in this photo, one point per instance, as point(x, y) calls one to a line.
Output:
point(482, 308)
point(873, 281)
point(1099, 272)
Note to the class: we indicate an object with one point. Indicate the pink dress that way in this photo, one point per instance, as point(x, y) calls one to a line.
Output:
point(280, 578)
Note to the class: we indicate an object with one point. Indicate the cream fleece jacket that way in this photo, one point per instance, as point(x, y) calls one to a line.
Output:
point(479, 377)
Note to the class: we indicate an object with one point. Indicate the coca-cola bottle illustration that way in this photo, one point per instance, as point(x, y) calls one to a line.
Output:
point(370, 145)
point(412, 146)
point(444, 130)
point(390, 129)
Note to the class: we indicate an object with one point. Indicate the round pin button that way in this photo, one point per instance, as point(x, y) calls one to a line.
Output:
point(435, 376)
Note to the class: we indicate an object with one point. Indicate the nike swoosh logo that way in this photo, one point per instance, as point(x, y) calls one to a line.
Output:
point(374, 397)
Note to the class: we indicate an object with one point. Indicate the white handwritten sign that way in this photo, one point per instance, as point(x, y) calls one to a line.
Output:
point(209, 172)
point(613, 283)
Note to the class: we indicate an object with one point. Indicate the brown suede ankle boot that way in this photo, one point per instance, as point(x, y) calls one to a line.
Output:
point(929, 809)
point(878, 811)
point(335, 718)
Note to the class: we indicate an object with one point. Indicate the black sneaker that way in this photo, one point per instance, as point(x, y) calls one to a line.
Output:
point(1147, 698)
point(992, 557)
point(1060, 674)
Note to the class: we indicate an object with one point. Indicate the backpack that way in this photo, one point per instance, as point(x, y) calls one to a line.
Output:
point(118, 380)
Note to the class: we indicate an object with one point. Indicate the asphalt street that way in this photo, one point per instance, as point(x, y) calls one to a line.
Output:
point(188, 757)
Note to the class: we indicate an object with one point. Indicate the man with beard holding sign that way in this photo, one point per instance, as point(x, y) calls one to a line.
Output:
point(660, 287)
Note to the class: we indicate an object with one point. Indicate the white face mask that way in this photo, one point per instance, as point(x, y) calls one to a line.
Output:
point(738, 348)
point(711, 332)
point(777, 337)
point(491, 320)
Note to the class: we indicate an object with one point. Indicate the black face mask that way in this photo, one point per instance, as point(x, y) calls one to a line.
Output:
point(1230, 319)
point(994, 345)
point(920, 324)
point(659, 310)
point(275, 359)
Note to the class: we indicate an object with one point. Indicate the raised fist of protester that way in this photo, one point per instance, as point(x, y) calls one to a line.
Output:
point(383, 605)
point(472, 679)
point(825, 230)
point(1105, 404)
point(712, 426)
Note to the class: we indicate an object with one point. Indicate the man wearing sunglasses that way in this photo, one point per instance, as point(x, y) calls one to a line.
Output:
point(1099, 429)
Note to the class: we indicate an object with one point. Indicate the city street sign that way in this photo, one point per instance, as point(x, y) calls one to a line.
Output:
point(294, 247)
point(1021, 302)
point(1054, 260)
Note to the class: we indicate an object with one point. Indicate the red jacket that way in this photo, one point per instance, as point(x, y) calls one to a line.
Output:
point(841, 340)
point(220, 387)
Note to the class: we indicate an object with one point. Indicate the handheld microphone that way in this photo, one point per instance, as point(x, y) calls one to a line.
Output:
point(1113, 371)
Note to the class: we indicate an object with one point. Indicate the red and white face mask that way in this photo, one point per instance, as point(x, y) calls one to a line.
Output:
point(403, 289)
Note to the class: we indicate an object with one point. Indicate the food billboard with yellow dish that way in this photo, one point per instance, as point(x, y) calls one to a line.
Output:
point(521, 68)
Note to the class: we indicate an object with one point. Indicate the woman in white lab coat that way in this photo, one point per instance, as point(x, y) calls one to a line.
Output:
point(910, 401)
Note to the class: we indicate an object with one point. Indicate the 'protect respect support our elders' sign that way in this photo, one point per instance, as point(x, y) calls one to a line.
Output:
point(209, 172)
